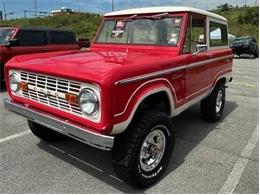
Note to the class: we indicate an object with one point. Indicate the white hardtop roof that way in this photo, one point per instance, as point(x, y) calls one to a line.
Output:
point(147, 10)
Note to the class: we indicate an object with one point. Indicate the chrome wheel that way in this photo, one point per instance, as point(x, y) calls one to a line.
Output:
point(152, 149)
point(219, 101)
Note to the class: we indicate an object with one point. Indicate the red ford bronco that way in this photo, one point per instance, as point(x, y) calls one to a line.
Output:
point(20, 40)
point(145, 66)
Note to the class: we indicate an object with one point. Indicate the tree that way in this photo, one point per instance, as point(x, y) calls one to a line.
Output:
point(224, 7)
point(249, 16)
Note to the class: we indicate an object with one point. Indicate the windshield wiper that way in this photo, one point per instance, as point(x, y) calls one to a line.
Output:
point(154, 17)
point(130, 18)
point(157, 16)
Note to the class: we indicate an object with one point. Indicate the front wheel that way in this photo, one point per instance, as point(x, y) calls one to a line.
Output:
point(142, 153)
point(212, 107)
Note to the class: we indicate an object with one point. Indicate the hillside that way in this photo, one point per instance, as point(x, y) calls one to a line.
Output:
point(85, 25)
point(235, 27)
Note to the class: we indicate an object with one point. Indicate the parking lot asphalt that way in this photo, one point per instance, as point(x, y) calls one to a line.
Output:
point(208, 158)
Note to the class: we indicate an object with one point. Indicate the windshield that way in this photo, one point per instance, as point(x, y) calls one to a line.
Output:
point(6, 35)
point(145, 31)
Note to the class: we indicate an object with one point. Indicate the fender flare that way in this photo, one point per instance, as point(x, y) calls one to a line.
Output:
point(141, 93)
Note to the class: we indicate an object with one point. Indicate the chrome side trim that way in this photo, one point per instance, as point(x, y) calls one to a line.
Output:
point(61, 125)
point(170, 70)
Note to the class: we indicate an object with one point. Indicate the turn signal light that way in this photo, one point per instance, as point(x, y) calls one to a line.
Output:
point(71, 98)
point(23, 86)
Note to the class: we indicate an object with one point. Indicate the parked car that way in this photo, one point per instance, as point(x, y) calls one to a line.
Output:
point(245, 45)
point(145, 66)
point(17, 41)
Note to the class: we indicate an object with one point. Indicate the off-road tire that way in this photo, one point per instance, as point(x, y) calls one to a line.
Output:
point(45, 133)
point(256, 53)
point(127, 146)
point(253, 54)
point(208, 105)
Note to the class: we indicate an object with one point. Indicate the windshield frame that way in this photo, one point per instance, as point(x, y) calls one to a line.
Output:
point(143, 16)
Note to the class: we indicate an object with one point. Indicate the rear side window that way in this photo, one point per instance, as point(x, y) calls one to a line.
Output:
point(218, 34)
point(32, 38)
point(62, 37)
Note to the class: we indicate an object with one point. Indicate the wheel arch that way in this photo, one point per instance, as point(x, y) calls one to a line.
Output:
point(148, 94)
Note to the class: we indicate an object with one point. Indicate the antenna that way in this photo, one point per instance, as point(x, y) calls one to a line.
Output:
point(112, 5)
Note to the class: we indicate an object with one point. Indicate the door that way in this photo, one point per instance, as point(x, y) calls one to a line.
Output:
point(197, 73)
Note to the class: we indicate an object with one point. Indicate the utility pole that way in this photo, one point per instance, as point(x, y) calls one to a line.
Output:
point(112, 5)
point(245, 7)
point(35, 7)
point(4, 9)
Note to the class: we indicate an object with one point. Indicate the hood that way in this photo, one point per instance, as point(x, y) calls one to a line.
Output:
point(91, 66)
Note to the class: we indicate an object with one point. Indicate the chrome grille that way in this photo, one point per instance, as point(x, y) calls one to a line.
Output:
point(57, 86)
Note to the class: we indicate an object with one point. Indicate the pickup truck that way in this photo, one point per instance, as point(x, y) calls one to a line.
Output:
point(146, 66)
point(245, 45)
point(17, 41)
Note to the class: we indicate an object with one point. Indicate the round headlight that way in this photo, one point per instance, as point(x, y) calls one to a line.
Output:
point(88, 102)
point(14, 82)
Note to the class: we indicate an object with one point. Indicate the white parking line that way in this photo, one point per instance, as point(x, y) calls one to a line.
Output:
point(238, 169)
point(14, 136)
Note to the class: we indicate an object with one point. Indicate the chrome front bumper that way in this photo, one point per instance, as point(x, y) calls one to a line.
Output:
point(61, 125)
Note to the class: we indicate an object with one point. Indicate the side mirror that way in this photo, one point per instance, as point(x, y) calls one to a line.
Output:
point(84, 42)
point(200, 48)
point(13, 42)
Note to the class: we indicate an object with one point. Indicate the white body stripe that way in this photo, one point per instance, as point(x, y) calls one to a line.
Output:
point(120, 127)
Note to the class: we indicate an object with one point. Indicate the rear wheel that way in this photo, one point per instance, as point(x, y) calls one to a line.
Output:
point(45, 133)
point(256, 53)
point(253, 54)
point(212, 107)
point(141, 154)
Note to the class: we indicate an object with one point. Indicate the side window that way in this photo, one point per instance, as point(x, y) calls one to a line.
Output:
point(218, 34)
point(195, 35)
point(62, 37)
point(32, 38)
point(198, 31)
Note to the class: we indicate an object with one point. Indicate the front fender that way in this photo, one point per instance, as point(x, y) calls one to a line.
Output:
point(123, 119)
